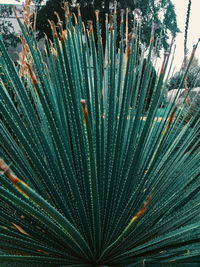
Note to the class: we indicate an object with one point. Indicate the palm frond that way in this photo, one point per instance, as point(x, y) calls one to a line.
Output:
point(94, 175)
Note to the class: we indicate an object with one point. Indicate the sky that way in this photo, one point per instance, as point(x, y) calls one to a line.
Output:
point(181, 10)
point(193, 31)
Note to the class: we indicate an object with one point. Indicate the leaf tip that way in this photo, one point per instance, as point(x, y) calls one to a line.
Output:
point(85, 111)
point(5, 169)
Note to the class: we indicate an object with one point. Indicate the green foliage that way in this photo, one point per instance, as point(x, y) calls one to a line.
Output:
point(193, 79)
point(95, 181)
point(6, 26)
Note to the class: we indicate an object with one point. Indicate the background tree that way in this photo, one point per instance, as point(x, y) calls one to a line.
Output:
point(160, 12)
point(6, 27)
point(193, 76)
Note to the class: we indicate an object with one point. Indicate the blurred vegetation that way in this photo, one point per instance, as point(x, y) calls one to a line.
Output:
point(193, 76)
point(6, 27)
